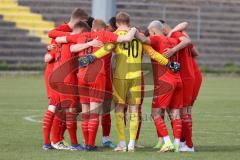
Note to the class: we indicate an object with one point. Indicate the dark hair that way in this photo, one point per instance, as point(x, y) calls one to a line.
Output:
point(80, 14)
point(82, 25)
point(90, 21)
point(162, 21)
point(112, 23)
point(146, 33)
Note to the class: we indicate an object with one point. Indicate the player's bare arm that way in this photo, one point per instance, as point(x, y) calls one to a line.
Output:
point(143, 38)
point(61, 40)
point(128, 37)
point(79, 47)
point(50, 47)
point(180, 27)
point(184, 42)
point(48, 57)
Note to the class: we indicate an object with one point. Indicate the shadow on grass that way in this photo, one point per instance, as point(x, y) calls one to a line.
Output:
point(223, 148)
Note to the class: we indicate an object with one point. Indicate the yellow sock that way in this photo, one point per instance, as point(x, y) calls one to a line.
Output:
point(133, 125)
point(120, 126)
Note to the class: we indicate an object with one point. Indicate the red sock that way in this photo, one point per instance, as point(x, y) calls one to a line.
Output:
point(71, 123)
point(184, 127)
point(106, 124)
point(189, 142)
point(47, 125)
point(62, 131)
point(93, 128)
point(161, 127)
point(177, 128)
point(85, 119)
point(140, 122)
point(56, 129)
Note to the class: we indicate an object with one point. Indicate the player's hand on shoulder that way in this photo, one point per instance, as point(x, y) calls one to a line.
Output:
point(168, 52)
point(51, 47)
point(96, 43)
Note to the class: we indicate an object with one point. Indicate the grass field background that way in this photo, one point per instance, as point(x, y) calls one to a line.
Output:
point(216, 124)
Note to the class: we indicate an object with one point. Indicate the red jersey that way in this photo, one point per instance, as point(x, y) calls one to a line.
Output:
point(57, 32)
point(185, 59)
point(100, 66)
point(160, 43)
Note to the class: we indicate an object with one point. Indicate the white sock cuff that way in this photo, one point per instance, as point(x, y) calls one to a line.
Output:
point(52, 108)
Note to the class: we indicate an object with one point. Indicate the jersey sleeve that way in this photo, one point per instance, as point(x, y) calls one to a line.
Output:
point(178, 34)
point(54, 34)
point(105, 50)
point(110, 37)
point(73, 38)
point(155, 55)
point(59, 31)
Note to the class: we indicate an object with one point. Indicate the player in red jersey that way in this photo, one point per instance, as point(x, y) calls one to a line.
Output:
point(89, 77)
point(198, 75)
point(189, 81)
point(48, 121)
point(169, 97)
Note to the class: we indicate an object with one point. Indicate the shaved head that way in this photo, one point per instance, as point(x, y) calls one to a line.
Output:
point(155, 28)
point(156, 24)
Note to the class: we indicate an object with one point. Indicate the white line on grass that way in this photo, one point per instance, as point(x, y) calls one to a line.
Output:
point(32, 119)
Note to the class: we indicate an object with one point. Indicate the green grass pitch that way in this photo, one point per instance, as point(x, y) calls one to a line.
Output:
point(216, 127)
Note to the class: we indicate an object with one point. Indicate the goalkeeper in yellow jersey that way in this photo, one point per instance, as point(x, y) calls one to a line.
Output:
point(126, 78)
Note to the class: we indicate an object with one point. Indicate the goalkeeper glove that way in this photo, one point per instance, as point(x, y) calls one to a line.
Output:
point(174, 66)
point(86, 60)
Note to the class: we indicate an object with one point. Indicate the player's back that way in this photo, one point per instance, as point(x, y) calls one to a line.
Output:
point(160, 43)
point(128, 58)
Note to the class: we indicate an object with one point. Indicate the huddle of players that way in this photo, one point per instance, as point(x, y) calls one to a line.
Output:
point(97, 86)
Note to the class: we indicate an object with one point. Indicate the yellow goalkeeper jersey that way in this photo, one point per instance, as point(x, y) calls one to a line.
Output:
point(128, 59)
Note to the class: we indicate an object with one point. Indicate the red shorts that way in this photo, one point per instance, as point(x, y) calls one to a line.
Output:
point(197, 86)
point(188, 87)
point(65, 94)
point(92, 91)
point(48, 88)
point(170, 97)
point(53, 97)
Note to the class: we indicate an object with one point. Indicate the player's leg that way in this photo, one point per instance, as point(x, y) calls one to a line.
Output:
point(162, 129)
point(96, 96)
point(120, 126)
point(134, 100)
point(160, 139)
point(93, 124)
point(119, 97)
point(85, 120)
point(106, 124)
point(177, 127)
point(140, 114)
point(139, 126)
point(71, 122)
point(48, 117)
point(134, 121)
point(47, 125)
point(57, 124)
point(175, 117)
point(188, 87)
point(159, 104)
